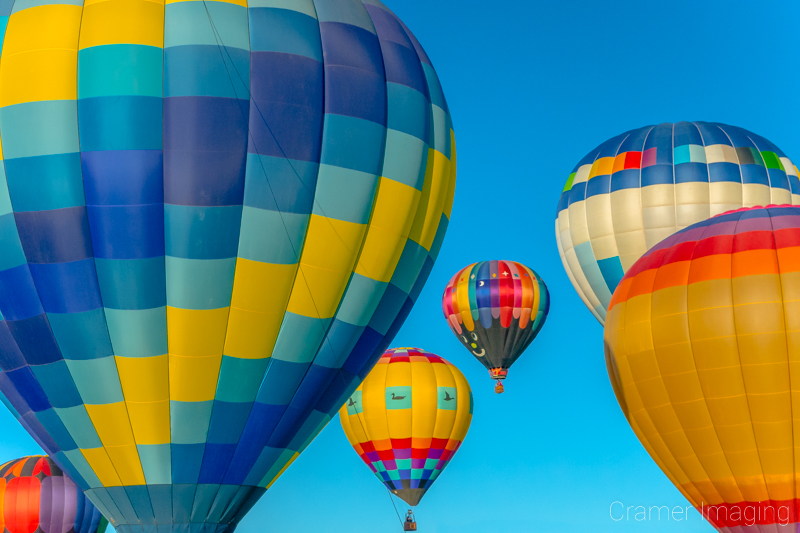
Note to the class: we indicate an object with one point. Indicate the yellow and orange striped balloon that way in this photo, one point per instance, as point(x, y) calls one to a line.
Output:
point(702, 344)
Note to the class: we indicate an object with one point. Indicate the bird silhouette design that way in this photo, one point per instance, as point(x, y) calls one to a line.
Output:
point(351, 402)
point(398, 397)
point(447, 396)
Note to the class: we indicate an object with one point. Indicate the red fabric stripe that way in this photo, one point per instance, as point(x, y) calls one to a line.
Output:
point(750, 513)
point(633, 160)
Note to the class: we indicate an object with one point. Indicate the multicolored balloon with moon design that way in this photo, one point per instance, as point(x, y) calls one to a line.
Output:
point(496, 309)
point(408, 418)
point(37, 497)
point(639, 187)
point(702, 343)
point(214, 217)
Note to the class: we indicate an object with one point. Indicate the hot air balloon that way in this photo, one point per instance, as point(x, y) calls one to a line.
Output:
point(701, 344)
point(496, 309)
point(407, 419)
point(634, 190)
point(36, 496)
point(214, 218)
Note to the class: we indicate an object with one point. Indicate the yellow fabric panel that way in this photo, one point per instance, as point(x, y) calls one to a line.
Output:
point(242, 3)
point(193, 379)
point(111, 423)
point(462, 300)
point(327, 261)
point(122, 22)
point(149, 421)
point(451, 186)
point(424, 401)
point(40, 55)
point(144, 379)
point(126, 462)
point(102, 467)
point(193, 332)
point(373, 400)
point(252, 335)
point(399, 420)
point(392, 216)
point(602, 167)
point(262, 287)
point(431, 205)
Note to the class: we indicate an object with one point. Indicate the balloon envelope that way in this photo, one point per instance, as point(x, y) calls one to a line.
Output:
point(639, 187)
point(214, 218)
point(496, 309)
point(36, 496)
point(701, 343)
point(408, 418)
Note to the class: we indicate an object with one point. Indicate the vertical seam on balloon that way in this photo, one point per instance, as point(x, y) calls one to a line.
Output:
point(641, 188)
point(766, 169)
point(738, 163)
point(611, 210)
point(164, 257)
point(646, 412)
point(788, 364)
point(246, 117)
point(708, 169)
point(674, 181)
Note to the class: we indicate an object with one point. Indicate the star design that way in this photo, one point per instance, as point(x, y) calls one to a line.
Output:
point(472, 276)
point(505, 274)
point(494, 275)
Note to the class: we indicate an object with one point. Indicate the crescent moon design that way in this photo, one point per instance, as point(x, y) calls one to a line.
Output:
point(480, 284)
point(483, 352)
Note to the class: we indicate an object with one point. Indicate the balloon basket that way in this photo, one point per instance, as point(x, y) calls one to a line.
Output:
point(410, 523)
point(498, 388)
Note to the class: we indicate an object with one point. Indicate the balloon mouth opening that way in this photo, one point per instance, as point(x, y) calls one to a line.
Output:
point(498, 373)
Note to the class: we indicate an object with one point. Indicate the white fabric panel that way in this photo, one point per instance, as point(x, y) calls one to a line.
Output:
point(601, 228)
point(692, 203)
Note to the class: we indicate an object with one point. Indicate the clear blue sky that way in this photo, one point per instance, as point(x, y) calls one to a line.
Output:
point(532, 87)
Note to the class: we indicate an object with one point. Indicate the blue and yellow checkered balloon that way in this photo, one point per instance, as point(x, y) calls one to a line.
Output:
point(214, 216)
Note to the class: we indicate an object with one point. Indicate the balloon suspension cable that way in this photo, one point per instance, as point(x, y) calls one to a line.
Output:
point(391, 499)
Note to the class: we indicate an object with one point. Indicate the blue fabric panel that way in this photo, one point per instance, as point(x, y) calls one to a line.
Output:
point(206, 70)
point(691, 172)
point(353, 143)
point(345, 194)
point(120, 69)
point(311, 389)
point(140, 499)
point(754, 174)
point(97, 380)
point(392, 300)
point(67, 287)
point(633, 141)
point(577, 193)
point(127, 231)
point(203, 499)
point(202, 232)
point(340, 340)
point(660, 137)
point(127, 177)
point(283, 30)
point(12, 256)
point(794, 182)
point(299, 339)
point(123, 503)
point(138, 333)
point(657, 175)
point(778, 178)
point(215, 462)
point(409, 111)
point(240, 379)
point(56, 430)
point(18, 297)
point(200, 283)
point(363, 351)
point(187, 23)
point(35, 340)
point(80, 426)
point(712, 134)
point(355, 93)
point(81, 335)
point(120, 123)
point(280, 184)
point(57, 384)
point(45, 182)
point(227, 421)
point(686, 133)
point(350, 46)
point(612, 272)
point(260, 425)
point(39, 128)
point(280, 382)
point(271, 236)
point(623, 179)
point(10, 356)
point(189, 422)
point(598, 185)
point(435, 93)
point(133, 283)
point(56, 236)
point(204, 150)
point(25, 383)
point(724, 172)
point(161, 498)
point(186, 462)
point(287, 118)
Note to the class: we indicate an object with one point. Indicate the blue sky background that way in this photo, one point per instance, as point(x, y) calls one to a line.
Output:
point(533, 86)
